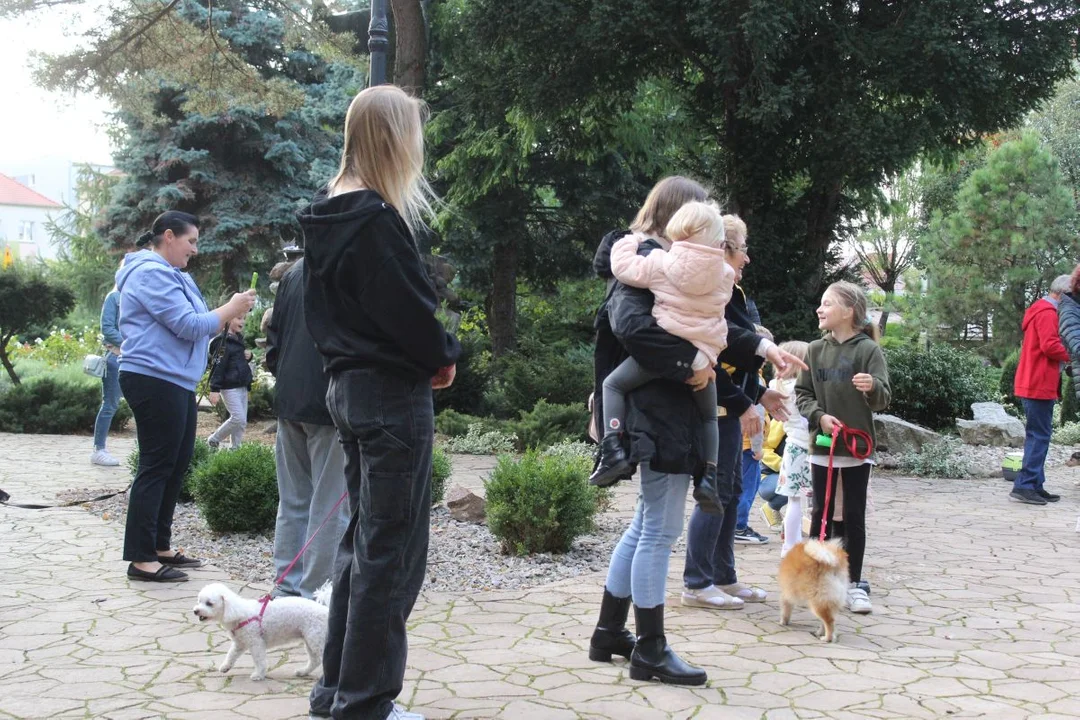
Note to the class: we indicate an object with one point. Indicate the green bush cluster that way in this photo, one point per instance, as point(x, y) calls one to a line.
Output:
point(560, 373)
point(57, 407)
point(442, 466)
point(1069, 411)
point(546, 424)
point(540, 504)
point(199, 455)
point(938, 460)
point(61, 346)
point(1068, 434)
point(236, 491)
point(935, 386)
point(1008, 378)
point(478, 441)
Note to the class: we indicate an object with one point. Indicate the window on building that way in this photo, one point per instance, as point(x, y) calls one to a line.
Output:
point(26, 230)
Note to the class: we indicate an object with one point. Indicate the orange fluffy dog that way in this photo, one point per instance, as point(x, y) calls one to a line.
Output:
point(815, 573)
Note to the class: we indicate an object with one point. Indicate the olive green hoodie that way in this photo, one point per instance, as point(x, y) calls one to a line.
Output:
point(826, 388)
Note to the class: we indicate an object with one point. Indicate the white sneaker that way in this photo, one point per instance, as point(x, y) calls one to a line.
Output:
point(710, 597)
point(858, 601)
point(400, 713)
point(102, 457)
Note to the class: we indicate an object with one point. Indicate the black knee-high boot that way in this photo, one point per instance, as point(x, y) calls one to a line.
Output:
point(611, 636)
point(653, 659)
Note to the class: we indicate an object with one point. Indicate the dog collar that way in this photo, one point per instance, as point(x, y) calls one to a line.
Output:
point(255, 618)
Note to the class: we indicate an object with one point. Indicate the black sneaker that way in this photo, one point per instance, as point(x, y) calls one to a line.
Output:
point(864, 586)
point(747, 536)
point(1028, 497)
point(1048, 497)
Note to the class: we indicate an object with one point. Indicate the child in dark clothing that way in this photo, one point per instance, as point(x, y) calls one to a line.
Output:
point(230, 381)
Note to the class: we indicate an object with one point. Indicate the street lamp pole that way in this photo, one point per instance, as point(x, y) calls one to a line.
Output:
point(378, 42)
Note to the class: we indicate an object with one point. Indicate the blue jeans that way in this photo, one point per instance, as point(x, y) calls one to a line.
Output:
point(639, 564)
point(710, 539)
point(110, 400)
point(751, 478)
point(1040, 417)
point(767, 491)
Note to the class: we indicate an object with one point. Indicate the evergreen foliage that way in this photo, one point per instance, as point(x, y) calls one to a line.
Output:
point(28, 299)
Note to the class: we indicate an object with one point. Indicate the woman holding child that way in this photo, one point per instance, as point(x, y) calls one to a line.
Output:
point(661, 430)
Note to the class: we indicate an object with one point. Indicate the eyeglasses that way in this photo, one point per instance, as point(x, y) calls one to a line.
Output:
point(738, 248)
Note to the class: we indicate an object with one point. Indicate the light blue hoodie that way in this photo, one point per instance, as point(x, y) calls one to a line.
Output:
point(164, 321)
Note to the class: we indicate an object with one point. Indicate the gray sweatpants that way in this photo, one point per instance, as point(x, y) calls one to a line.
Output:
point(630, 375)
point(311, 479)
point(236, 402)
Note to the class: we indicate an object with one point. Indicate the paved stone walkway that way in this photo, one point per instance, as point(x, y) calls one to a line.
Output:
point(975, 602)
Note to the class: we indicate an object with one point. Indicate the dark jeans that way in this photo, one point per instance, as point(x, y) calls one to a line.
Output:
point(1040, 418)
point(386, 425)
point(710, 539)
point(856, 480)
point(165, 427)
point(767, 491)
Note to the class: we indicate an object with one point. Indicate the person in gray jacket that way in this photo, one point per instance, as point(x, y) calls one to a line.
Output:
point(310, 461)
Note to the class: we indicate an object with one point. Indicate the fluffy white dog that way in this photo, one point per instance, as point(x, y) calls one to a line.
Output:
point(252, 628)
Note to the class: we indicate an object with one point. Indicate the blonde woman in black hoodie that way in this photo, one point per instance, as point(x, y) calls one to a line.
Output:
point(370, 308)
point(847, 382)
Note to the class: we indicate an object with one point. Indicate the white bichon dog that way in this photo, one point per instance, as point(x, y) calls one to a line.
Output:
point(254, 628)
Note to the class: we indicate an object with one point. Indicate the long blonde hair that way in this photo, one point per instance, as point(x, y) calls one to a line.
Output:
point(384, 151)
point(852, 296)
point(666, 197)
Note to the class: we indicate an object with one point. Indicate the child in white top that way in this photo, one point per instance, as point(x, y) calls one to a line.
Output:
point(795, 480)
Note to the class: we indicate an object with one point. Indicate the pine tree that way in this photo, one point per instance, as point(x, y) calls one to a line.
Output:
point(1012, 232)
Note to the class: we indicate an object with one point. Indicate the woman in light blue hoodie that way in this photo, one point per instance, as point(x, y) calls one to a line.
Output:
point(166, 328)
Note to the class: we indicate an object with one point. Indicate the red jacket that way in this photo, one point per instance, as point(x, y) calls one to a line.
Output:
point(1038, 376)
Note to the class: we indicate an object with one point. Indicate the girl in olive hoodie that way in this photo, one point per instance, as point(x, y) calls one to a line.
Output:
point(847, 382)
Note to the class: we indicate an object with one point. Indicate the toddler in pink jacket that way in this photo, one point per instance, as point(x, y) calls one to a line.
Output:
point(692, 284)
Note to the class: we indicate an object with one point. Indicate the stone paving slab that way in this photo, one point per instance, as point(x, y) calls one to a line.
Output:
point(975, 603)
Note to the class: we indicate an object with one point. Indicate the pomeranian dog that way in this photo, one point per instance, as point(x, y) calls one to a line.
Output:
point(814, 573)
point(255, 628)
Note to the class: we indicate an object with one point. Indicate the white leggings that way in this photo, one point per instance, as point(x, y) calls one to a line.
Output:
point(792, 524)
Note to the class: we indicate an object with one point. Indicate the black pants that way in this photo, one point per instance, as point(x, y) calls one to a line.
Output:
point(165, 426)
point(856, 480)
point(386, 426)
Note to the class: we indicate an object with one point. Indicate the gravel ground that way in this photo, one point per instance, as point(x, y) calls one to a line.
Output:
point(985, 461)
point(462, 556)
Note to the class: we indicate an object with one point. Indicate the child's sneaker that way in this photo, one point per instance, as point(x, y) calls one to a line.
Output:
point(773, 518)
point(747, 536)
point(857, 601)
point(710, 597)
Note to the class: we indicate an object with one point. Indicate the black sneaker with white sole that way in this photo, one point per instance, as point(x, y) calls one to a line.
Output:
point(747, 536)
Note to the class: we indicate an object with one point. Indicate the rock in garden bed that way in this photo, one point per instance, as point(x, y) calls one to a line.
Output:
point(462, 557)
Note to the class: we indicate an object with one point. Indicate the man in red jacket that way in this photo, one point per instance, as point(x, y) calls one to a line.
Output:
point(1038, 385)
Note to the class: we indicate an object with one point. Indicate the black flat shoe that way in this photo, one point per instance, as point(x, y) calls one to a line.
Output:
point(164, 574)
point(180, 560)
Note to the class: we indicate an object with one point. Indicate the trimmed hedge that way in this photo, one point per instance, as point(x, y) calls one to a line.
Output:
point(236, 491)
point(935, 386)
point(57, 407)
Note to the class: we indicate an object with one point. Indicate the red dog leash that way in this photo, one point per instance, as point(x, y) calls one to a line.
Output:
point(265, 599)
point(850, 438)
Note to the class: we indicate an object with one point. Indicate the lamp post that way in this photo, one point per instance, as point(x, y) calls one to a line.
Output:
point(378, 42)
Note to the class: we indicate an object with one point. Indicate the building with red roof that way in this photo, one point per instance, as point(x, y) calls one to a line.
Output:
point(24, 213)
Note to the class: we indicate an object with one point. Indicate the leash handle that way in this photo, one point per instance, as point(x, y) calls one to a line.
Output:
point(851, 438)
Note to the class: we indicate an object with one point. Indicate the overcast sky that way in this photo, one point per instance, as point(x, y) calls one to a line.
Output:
point(35, 123)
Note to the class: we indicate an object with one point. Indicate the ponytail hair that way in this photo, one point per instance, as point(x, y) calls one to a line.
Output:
point(852, 296)
point(175, 220)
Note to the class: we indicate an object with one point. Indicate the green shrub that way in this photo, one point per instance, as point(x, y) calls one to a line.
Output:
point(576, 449)
point(1067, 434)
point(1008, 378)
point(941, 460)
point(938, 385)
point(466, 395)
point(561, 373)
point(58, 407)
point(548, 424)
point(478, 441)
point(539, 504)
point(451, 423)
point(1069, 411)
point(442, 466)
point(236, 491)
point(199, 455)
point(62, 347)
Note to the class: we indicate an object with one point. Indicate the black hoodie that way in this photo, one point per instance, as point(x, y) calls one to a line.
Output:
point(368, 300)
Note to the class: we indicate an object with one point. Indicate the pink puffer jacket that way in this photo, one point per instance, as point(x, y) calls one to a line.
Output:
point(692, 284)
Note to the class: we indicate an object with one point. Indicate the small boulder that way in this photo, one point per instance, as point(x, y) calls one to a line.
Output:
point(465, 505)
point(991, 426)
point(896, 436)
